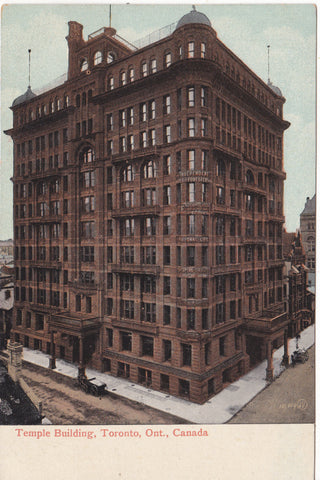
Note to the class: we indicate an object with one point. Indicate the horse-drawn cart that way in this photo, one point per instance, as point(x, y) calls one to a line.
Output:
point(91, 385)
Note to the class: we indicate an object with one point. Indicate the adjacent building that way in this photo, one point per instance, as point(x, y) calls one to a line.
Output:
point(308, 236)
point(148, 211)
point(300, 299)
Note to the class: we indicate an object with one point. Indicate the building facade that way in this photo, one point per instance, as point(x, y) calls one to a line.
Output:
point(148, 211)
point(300, 299)
point(308, 236)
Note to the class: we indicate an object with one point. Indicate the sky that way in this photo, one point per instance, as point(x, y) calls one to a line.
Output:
point(289, 29)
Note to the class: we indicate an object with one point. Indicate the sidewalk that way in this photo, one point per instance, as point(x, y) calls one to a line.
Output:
point(219, 409)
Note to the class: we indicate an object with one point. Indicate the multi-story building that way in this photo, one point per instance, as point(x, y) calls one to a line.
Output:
point(300, 298)
point(148, 204)
point(308, 236)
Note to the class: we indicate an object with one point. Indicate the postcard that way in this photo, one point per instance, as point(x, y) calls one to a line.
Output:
point(157, 240)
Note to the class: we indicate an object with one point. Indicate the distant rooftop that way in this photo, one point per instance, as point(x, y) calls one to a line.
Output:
point(310, 206)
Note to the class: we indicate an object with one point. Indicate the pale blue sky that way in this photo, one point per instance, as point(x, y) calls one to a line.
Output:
point(245, 29)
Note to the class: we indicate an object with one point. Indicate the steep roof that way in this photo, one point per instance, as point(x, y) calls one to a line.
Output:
point(310, 206)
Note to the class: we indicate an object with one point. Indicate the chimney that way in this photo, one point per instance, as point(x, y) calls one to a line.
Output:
point(75, 41)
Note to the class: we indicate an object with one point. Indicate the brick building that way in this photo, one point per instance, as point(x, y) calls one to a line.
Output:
point(148, 211)
point(308, 236)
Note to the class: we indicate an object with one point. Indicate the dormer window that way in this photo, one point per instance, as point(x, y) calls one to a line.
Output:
point(97, 58)
point(84, 65)
point(110, 57)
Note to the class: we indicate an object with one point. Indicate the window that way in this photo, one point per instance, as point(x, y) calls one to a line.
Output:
point(88, 204)
point(221, 170)
point(204, 288)
point(204, 160)
point(191, 159)
point(166, 255)
point(131, 74)
point(204, 127)
point(122, 78)
point(149, 226)
point(126, 341)
point(87, 179)
point(203, 50)
point(110, 83)
point(84, 65)
point(126, 283)
point(166, 285)
point(166, 104)
point(167, 59)
point(167, 134)
point(220, 196)
point(191, 319)
point(153, 65)
point(190, 49)
point(127, 309)
point(191, 192)
point(144, 69)
point(191, 287)
point(220, 256)
point(167, 195)
point(152, 137)
point(166, 350)
point(148, 284)
point(149, 170)
point(87, 155)
point(191, 224)
point(97, 58)
point(130, 115)
point(191, 127)
point(204, 256)
point(191, 96)
point(110, 57)
point(123, 144)
point(204, 225)
point(220, 313)
point(204, 192)
point(191, 256)
point(149, 197)
point(222, 341)
point(147, 346)
point(166, 225)
point(167, 165)
point(220, 225)
point(122, 118)
point(152, 109)
point(127, 174)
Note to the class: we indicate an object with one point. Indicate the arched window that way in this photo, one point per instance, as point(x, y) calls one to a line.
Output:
point(123, 79)
point(84, 65)
point(66, 101)
point(51, 106)
point(111, 57)
point(149, 170)
point(249, 177)
point(153, 65)
point(97, 58)
point(127, 174)
point(221, 169)
point(144, 69)
point(131, 74)
point(167, 59)
point(78, 100)
point(110, 83)
point(87, 155)
point(84, 98)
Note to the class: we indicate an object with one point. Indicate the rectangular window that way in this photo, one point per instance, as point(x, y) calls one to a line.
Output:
point(191, 127)
point(190, 49)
